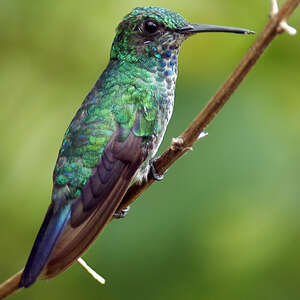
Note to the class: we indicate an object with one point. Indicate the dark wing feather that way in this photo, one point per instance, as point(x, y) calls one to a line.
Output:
point(100, 198)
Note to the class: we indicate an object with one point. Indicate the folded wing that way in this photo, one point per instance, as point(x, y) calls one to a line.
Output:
point(99, 199)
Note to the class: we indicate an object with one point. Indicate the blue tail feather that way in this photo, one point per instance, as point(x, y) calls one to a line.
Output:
point(52, 227)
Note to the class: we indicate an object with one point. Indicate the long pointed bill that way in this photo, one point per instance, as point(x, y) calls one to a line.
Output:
point(196, 28)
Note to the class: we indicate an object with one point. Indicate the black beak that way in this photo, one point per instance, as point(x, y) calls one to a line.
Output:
point(196, 28)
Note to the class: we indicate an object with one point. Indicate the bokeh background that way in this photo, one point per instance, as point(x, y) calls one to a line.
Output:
point(224, 224)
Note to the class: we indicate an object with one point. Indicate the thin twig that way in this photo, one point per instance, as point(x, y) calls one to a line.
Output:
point(94, 274)
point(186, 140)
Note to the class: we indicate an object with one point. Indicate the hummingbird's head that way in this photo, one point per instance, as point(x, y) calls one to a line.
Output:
point(145, 31)
point(149, 32)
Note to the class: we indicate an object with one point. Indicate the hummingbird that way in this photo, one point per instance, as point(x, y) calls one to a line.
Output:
point(113, 137)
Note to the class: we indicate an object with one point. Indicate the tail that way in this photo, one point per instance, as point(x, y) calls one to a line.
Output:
point(51, 229)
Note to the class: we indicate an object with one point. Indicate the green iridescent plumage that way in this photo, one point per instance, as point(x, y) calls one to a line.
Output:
point(112, 137)
point(162, 15)
point(135, 80)
point(117, 99)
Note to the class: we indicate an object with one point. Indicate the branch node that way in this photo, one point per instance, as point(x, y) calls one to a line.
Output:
point(287, 28)
point(177, 144)
point(283, 25)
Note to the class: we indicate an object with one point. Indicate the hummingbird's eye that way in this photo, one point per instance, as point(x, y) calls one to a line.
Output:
point(150, 26)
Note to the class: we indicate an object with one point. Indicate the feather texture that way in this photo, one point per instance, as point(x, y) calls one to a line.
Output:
point(98, 201)
point(53, 225)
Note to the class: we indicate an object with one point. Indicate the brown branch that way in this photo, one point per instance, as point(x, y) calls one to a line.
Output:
point(10, 285)
point(190, 135)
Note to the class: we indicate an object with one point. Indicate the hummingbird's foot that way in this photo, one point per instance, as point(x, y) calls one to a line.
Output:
point(122, 214)
point(155, 175)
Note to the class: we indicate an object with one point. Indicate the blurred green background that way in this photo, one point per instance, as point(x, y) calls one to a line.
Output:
point(224, 224)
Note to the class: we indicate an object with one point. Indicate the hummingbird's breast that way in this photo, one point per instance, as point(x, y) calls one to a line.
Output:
point(164, 76)
point(122, 91)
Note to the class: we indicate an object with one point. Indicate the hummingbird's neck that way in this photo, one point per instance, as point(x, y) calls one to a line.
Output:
point(154, 62)
point(157, 72)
